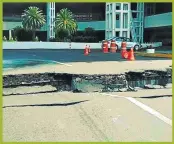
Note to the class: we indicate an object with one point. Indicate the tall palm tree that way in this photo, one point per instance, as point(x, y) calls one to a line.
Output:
point(65, 20)
point(33, 19)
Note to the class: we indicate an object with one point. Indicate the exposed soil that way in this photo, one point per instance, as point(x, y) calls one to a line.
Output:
point(130, 81)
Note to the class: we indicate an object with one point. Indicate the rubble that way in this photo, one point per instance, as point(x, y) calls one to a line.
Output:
point(130, 81)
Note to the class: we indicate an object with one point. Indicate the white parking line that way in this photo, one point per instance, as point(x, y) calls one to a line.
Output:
point(63, 64)
point(145, 108)
point(150, 110)
point(53, 61)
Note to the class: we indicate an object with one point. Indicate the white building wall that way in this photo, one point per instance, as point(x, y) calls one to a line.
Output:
point(117, 27)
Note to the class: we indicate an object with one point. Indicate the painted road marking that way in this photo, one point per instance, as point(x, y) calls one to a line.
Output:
point(145, 108)
point(150, 110)
point(53, 61)
point(63, 64)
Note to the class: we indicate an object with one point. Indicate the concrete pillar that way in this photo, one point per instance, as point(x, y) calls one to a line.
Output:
point(10, 35)
point(113, 21)
point(50, 20)
point(129, 12)
point(121, 21)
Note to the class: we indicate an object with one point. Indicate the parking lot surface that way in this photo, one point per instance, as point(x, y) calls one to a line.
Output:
point(66, 116)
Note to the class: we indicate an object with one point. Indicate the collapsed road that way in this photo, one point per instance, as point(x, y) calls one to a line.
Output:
point(128, 81)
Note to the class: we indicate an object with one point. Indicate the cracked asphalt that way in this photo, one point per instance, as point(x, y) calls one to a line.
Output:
point(90, 117)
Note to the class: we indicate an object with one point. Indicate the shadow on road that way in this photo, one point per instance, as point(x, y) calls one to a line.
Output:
point(151, 97)
point(47, 105)
point(25, 94)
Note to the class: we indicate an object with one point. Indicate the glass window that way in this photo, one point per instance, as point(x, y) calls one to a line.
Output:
point(107, 7)
point(128, 40)
point(117, 17)
point(111, 21)
point(117, 34)
point(134, 15)
point(119, 39)
point(125, 6)
point(117, 22)
point(118, 6)
point(124, 39)
point(125, 20)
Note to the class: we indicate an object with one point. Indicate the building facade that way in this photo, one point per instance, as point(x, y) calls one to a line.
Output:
point(142, 22)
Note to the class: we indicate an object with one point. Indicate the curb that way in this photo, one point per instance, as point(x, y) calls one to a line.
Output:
point(154, 55)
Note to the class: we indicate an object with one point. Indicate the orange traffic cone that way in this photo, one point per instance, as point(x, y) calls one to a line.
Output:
point(124, 53)
point(131, 55)
point(113, 46)
point(86, 52)
point(105, 47)
point(89, 49)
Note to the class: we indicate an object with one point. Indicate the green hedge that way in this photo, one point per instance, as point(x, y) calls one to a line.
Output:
point(84, 39)
point(89, 39)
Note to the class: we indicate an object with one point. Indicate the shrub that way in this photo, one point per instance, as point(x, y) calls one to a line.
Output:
point(84, 39)
point(62, 34)
point(4, 38)
point(21, 34)
point(36, 39)
point(52, 40)
point(89, 31)
point(16, 39)
point(11, 39)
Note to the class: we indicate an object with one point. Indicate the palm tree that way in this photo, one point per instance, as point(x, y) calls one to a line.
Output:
point(65, 20)
point(33, 19)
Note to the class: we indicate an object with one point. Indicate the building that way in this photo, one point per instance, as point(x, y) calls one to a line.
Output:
point(143, 22)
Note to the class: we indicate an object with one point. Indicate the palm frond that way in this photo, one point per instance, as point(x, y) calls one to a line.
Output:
point(33, 18)
point(64, 20)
